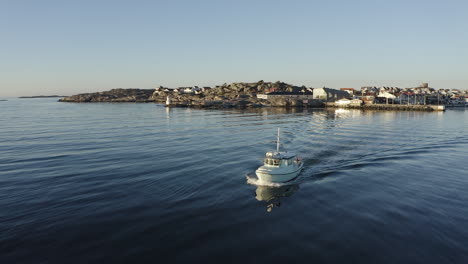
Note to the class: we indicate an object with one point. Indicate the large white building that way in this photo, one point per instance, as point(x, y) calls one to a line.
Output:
point(330, 94)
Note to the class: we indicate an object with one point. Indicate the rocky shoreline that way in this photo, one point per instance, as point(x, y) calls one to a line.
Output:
point(115, 95)
point(234, 95)
point(41, 96)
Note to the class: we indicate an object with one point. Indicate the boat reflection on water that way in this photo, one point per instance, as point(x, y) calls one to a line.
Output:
point(273, 194)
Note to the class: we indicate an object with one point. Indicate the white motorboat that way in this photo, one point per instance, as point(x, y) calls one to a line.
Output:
point(279, 166)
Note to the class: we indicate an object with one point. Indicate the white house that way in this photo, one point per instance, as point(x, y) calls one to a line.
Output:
point(386, 94)
point(330, 94)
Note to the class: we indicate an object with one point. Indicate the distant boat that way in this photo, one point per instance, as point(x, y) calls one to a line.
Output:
point(279, 166)
point(343, 102)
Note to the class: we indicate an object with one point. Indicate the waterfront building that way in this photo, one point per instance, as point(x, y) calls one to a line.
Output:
point(387, 97)
point(367, 99)
point(349, 90)
point(330, 94)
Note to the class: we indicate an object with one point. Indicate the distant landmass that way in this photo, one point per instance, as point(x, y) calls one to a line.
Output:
point(118, 95)
point(280, 94)
point(42, 96)
point(222, 96)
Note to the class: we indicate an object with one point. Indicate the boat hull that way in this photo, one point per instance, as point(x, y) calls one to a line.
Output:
point(271, 175)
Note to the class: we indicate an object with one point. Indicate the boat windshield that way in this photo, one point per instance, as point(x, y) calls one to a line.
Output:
point(272, 162)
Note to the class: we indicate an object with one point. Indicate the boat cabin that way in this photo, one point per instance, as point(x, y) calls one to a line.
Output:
point(279, 159)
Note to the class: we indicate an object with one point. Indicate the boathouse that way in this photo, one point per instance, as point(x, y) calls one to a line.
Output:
point(330, 94)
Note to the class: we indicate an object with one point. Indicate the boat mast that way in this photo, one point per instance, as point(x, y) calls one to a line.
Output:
point(278, 141)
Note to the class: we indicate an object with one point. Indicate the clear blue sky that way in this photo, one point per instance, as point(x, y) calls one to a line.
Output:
point(68, 47)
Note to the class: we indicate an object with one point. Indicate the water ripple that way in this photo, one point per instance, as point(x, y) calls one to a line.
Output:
point(84, 183)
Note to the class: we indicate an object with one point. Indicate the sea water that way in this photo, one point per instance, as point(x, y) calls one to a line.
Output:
point(141, 183)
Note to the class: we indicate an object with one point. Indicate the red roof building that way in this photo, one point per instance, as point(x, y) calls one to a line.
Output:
point(349, 90)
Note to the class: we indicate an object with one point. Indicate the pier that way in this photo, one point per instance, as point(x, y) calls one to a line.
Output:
point(390, 107)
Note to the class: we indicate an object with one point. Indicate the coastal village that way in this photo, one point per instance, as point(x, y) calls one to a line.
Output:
point(280, 94)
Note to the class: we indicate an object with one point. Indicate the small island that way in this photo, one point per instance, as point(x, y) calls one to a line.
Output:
point(234, 95)
point(41, 96)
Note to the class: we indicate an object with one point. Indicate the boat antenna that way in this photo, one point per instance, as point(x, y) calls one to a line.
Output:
point(278, 141)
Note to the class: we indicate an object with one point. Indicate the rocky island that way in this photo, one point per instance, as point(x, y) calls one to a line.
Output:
point(240, 95)
point(115, 95)
point(40, 96)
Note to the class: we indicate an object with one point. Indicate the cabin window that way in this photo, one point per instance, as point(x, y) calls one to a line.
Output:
point(272, 162)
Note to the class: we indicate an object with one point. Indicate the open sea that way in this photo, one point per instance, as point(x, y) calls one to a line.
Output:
point(141, 183)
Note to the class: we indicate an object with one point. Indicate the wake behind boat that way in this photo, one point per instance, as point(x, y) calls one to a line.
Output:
point(279, 166)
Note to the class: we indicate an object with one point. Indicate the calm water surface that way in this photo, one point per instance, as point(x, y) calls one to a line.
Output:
point(140, 183)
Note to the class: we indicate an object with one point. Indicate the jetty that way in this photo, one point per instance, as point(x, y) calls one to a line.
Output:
point(389, 107)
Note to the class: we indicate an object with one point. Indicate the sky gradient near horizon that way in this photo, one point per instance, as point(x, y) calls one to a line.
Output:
point(69, 47)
